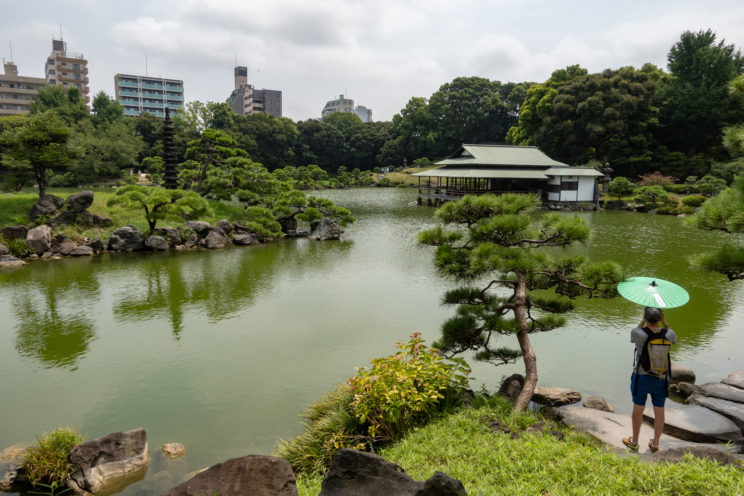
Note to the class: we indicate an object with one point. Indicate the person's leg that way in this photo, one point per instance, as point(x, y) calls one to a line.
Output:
point(637, 419)
point(658, 424)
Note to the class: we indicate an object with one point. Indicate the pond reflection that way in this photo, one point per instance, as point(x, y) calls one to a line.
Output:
point(53, 324)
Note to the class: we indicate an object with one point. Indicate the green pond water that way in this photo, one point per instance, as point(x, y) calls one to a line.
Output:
point(222, 350)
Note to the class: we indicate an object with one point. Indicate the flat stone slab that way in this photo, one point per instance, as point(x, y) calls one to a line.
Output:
point(696, 423)
point(735, 378)
point(555, 396)
point(723, 391)
point(611, 428)
point(729, 409)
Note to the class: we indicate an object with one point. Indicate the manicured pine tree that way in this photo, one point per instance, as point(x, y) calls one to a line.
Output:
point(512, 287)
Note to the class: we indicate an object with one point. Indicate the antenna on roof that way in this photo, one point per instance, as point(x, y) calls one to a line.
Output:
point(11, 52)
point(146, 74)
point(60, 31)
point(236, 59)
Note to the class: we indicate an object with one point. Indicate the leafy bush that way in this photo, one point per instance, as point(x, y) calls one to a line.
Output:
point(710, 185)
point(405, 389)
point(694, 200)
point(650, 195)
point(679, 189)
point(329, 426)
point(17, 247)
point(48, 462)
point(656, 178)
point(621, 186)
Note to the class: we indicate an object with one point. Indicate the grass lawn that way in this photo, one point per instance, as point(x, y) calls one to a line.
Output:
point(463, 446)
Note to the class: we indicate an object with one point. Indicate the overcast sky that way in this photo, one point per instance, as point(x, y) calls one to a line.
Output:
point(378, 52)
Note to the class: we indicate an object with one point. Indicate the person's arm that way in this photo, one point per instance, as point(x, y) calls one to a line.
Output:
point(642, 324)
point(663, 321)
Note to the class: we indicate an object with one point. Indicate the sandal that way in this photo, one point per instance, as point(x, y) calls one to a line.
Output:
point(630, 444)
point(653, 448)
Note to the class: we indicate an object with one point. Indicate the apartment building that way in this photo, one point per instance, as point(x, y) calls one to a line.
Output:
point(245, 99)
point(342, 104)
point(17, 92)
point(67, 69)
point(138, 94)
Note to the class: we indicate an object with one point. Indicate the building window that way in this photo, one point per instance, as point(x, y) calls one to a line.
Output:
point(572, 186)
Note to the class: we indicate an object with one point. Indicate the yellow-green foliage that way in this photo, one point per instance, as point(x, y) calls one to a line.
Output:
point(48, 461)
point(404, 389)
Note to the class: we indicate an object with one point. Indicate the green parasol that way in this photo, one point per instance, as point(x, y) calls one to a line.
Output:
point(651, 292)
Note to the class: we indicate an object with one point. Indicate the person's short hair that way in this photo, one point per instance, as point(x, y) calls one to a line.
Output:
point(652, 315)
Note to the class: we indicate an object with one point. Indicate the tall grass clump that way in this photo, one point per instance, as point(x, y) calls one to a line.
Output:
point(378, 405)
point(48, 462)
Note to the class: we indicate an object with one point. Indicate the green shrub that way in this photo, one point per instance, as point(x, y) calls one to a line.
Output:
point(650, 196)
point(621, 186)
point(694, 200)
point(49, 462)
point(710, 185)
point(17, 247)
point(405, 389)
point(329, 426)
point(679, 189)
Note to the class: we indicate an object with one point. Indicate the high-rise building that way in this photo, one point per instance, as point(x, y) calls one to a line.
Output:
point(246, 100)
point(17, 92)
point(138, 94)
point(342, 104)
point(67, 69)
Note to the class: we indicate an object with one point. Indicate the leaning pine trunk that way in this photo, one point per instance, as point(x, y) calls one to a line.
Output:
point(528, 354)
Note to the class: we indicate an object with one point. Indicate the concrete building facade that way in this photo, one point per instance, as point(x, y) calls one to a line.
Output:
point(67, 69)
point(342, 104)
point(138, 94)
point(17, 92)
point(245, 99)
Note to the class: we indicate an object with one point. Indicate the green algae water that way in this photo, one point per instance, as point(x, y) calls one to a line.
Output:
point(222, 350)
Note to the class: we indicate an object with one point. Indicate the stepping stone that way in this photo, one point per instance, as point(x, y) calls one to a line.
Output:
point(611, 428)
point(723, 391)
point(696, 423)
point(735, 379)
point(729, 409)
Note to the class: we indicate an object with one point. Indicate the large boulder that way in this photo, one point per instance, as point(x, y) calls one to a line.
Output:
point(39, 239)
point(82, 251)
point(555, 396)
point(12, 460)
point(79, 202)
point(684, 389)
point(325, 229)
point(171, 234)
point(66, 247)
point(723, 391)
point(704, 452)
point(735, 379)
point(173, 450)
point(191, 241)
point(512, 386)
point(127, 238)
point(358, 473)
point(105, 461)
point(11, 261)
point(612, 427)
point(253, 475)
point(4, 250)
point(47, 205)
point(244, 239)
point(100, 221)
point(156, 243)
point(64, 218)
point(729, 409)
point(215, 239)
point(14, 232)
point(96, 244)
point(695, 423)
point(680, 373)
point(225, 226)
point(598, 403)
point(199, 227)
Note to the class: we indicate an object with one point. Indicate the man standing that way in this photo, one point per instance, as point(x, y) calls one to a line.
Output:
point(650, 373)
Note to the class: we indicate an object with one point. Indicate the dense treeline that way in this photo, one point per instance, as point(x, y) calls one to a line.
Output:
point(639, 120)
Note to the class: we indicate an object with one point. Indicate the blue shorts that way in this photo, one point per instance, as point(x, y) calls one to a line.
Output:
point(648, 384)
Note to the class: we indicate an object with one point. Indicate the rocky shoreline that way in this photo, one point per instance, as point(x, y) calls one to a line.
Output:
point(43, 243)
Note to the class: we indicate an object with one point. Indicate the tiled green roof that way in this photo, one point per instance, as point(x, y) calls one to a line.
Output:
point(500, 156)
